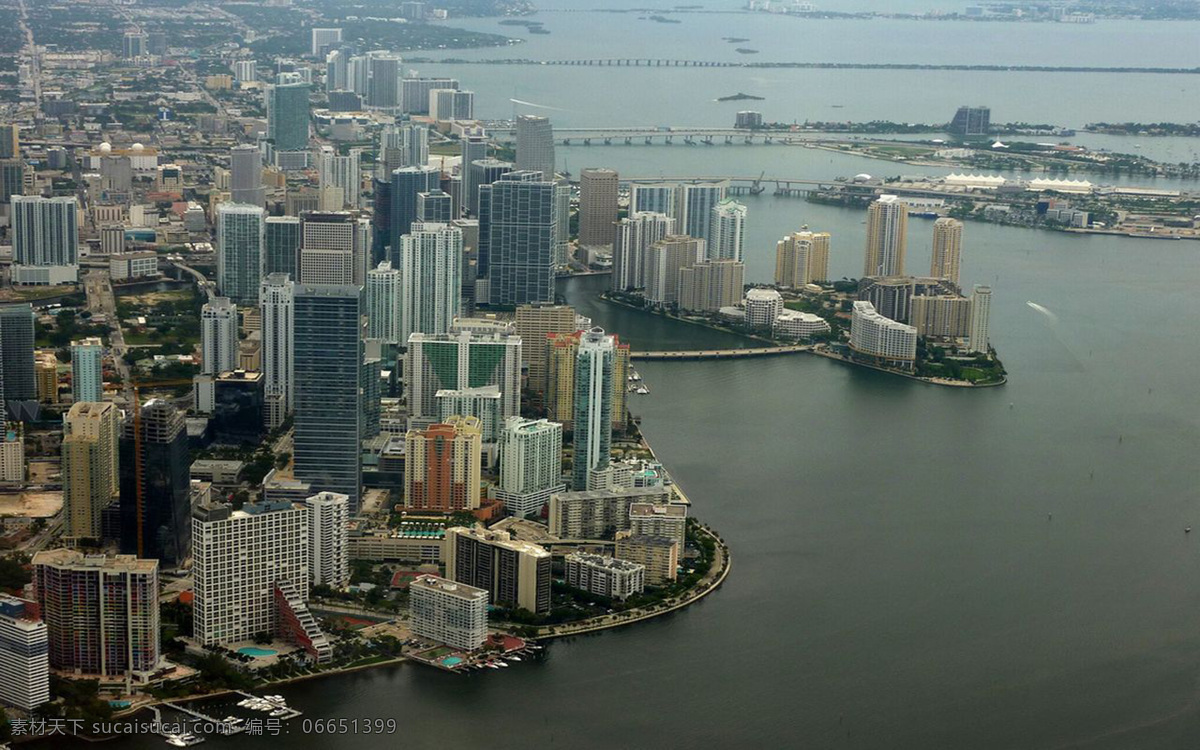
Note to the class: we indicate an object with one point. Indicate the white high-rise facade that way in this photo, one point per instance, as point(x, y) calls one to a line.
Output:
point(695, 212)
point(218, 336)
point(240, 251)
point(323, 39)
point(87, 372)
point(530, 464)
point(535, 145)
point(726, 232)
point(328, 559)
point(24, 654)
point(447, 612)
point(341, 173)
point(383, 304)
point(981, 310)
point(402, 145)
point(277, 302)
point(594, 368)
point(245, 175)
point(45, 239)
point(431, 277)
point(634, 236)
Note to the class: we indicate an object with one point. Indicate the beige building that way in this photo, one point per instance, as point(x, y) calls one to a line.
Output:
point(650, 519)
point(658, 554)
point(442, 466)
point(560, 391)
point(597, 206)
point(710, 285)
point(664, 261)
point(887, 227)
point(947, 249)
point(514, 573)
point(46, 372)
point(598, 514)
point(12, 453)
point(802, 258)
point(944, 316)
point(534, 325)
point(89, 466)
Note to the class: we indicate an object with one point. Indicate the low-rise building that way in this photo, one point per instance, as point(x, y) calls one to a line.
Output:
point(125, 266)
point(794, 324)
point(448, 612)
point(648, 519)
point(598, 514)
point(605, 576)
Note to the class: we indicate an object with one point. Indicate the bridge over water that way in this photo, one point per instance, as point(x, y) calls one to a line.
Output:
point(764, 351)
point(691, 136)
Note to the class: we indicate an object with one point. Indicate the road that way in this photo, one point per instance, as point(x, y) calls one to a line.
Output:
point(35, 65)
point(101, 301)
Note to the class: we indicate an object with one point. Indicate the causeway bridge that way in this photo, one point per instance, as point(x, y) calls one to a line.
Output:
point(763, 351)
point(689, 136)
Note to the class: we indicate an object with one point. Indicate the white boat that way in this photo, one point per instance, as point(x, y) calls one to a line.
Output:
point(515, 658)
point(502, 663)
point(492, 666)
point(176, 740)
point(279, 712)
point(642, 389)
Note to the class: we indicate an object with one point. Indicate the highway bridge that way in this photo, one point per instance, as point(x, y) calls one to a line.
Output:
point(764, 351)
point(671, 135)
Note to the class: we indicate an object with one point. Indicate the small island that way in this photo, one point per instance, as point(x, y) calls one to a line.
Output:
point(662, 19)
point(740, 97)
point(734, 39)
point(746, 51)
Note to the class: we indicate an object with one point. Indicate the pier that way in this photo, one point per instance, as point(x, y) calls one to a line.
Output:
point(765, 351)
point(227, 728)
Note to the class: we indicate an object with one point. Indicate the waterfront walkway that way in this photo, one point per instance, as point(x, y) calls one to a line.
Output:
point(764, 351)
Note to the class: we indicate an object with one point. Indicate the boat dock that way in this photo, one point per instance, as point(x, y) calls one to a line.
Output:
point(226, 727)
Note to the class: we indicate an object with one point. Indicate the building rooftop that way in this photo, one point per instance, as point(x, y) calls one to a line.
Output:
point(69, 558)
point(500, 539)
point(437, 583)
point(652, 510)
point(604, 561)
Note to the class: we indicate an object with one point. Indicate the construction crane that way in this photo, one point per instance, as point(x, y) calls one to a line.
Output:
point(137, 452)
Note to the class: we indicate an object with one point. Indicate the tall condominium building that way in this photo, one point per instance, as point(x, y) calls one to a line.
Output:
point(598, 190)
point(324, 39)
point(451, 104)
point(45, 239)
point(245, 175)
point(521, 229)
point(981, 311)
point(530, 465)
point(383, 86)
point(87, 370)
point(218, 336)
point(665, 260)
point(277, 300)
point(448, 612)
point(657, 519)
point(659, 555)
point(971, 121)
point(281, 245)
point(89, 466)
point(101, 613)
point(383, 303)
point(595, 370)
point(240, 251)
point(881, 339)
point(407, 183)
point(659, 198)
point(414, 93)
point(17, 380)
point(474, 148)
point(947, 249)
point(631, 247)
point(328, 558)
point(341, 173)
point(381, 219)
point(604, 576)
point(402, 145)
point(802, 258)
point(697, 203)
point(515, 574)
point(12, 453)
point(10, 143)
point(726, 231)
point(709, 285)
point(460, 361)
point(887, 227)
point(442, 466)
point(337, 72)
point(328, 362)
point(45, 370)
point(332, 249)
point(943, 316)
point(435, 206)
point(245, 71)
point(15, 177)
point(154, 522)
point(287, 116)
point(534, 324)
point(479, 172)
point(763, 307)
point(24, 654)
point(563, 364)
point(483, 403)
point(431, 278)
point(535, 145)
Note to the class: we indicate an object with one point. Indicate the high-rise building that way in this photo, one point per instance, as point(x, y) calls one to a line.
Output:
point(659, 555)
point(324, 39)
point(337, 74)
point(17, 380)
point(633, 238)
point(87, 370)
point(598, 190)
point(12, 453)
point(155, 521)
point(24, 654)
point(45, 238)
point(535, 146)
point(431, 277)
point(522, 238)
point(101, 613)
point(328, 519)
point(218, 336)
point(887, 227)
point(407, 183)
point(240, 251)
point(414, 93)
point(89, 466)
point(514, 573)
point(971, 121)
point(709, 285)
point(402, 145)
point(595, 369)
point(442, 466)
point(659, 198)
point(435, 207)
point(45, 370)
point(947, 249)
point(530, 465)
point(481, 172)
point(383, 303)
point(763, 307)
point(881, 339)
point(562, 387)
point(448, 612)
point(943, 316)
point(665, 260)
point(12, 177)
point(281, 245)
point(288, 115)
point(383, 86)
point(695, 206)
point(10, 141)
point(534, 325)
point(333, 248)
point(726, 231)
point(802, 258)
point(598, 514)
point(245, 176)
point(981, 311)
point(474, 148)
point(604, 576)
point(133, 45)
point(328, 356)
point(483, 403)
point(456, 362)
point(451, 104)
point(659, 519)
point(341, 173)
point(277, 300)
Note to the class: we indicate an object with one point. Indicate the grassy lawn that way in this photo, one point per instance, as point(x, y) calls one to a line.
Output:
point(445, 149)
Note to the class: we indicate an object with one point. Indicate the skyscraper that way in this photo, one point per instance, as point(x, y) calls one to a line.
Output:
point(981, 311)
point(563, 368)
point(971, 121)
point(483, 172)
point(535, 146)
point(592, 430)
point(287, 116)
point(514, 573)
point(383, 304)
point(709, 285)
point(45, 237)
point(402, 145)
point(155, 523)
point(328, 561)
point(341, 173)
point(634, 236)
point(383, 86)
point(534, 325)
point(337, 68)
point(598, 190)
point(89, 466)
point(441, 467)
point(218, 336)
point(474, 148)
point(323, 39)
point(802, 258)
point(240, 251)
point(245, 175)
point(947, 249)
point(277, 301)
point(407, 183)
point(331, 249)
point(24, 657)
point(451, 104)
point(726, 231)
point(328, 372)
point(414, 93)
point(458, 362)
point(659, 198)
point(435, 207)
point(887, 226)
point(431, 278)
point(281, 245)
point(10, 143)
point(17, 380)
point(87, 371)
point(522, 237)
point(664, 260)
point(694, 216)
point(530, 465)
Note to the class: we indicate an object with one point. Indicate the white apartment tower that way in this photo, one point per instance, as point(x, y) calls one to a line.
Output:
point(947, 249)
point(447, 612)
point(887, 224)
point(218, 336)
point(87, 372)
point(431, 276)
point(328, 559)
point(530, 464)
point(383, 304)
point(277, 301)
point(981, 310)
point(727, 231)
